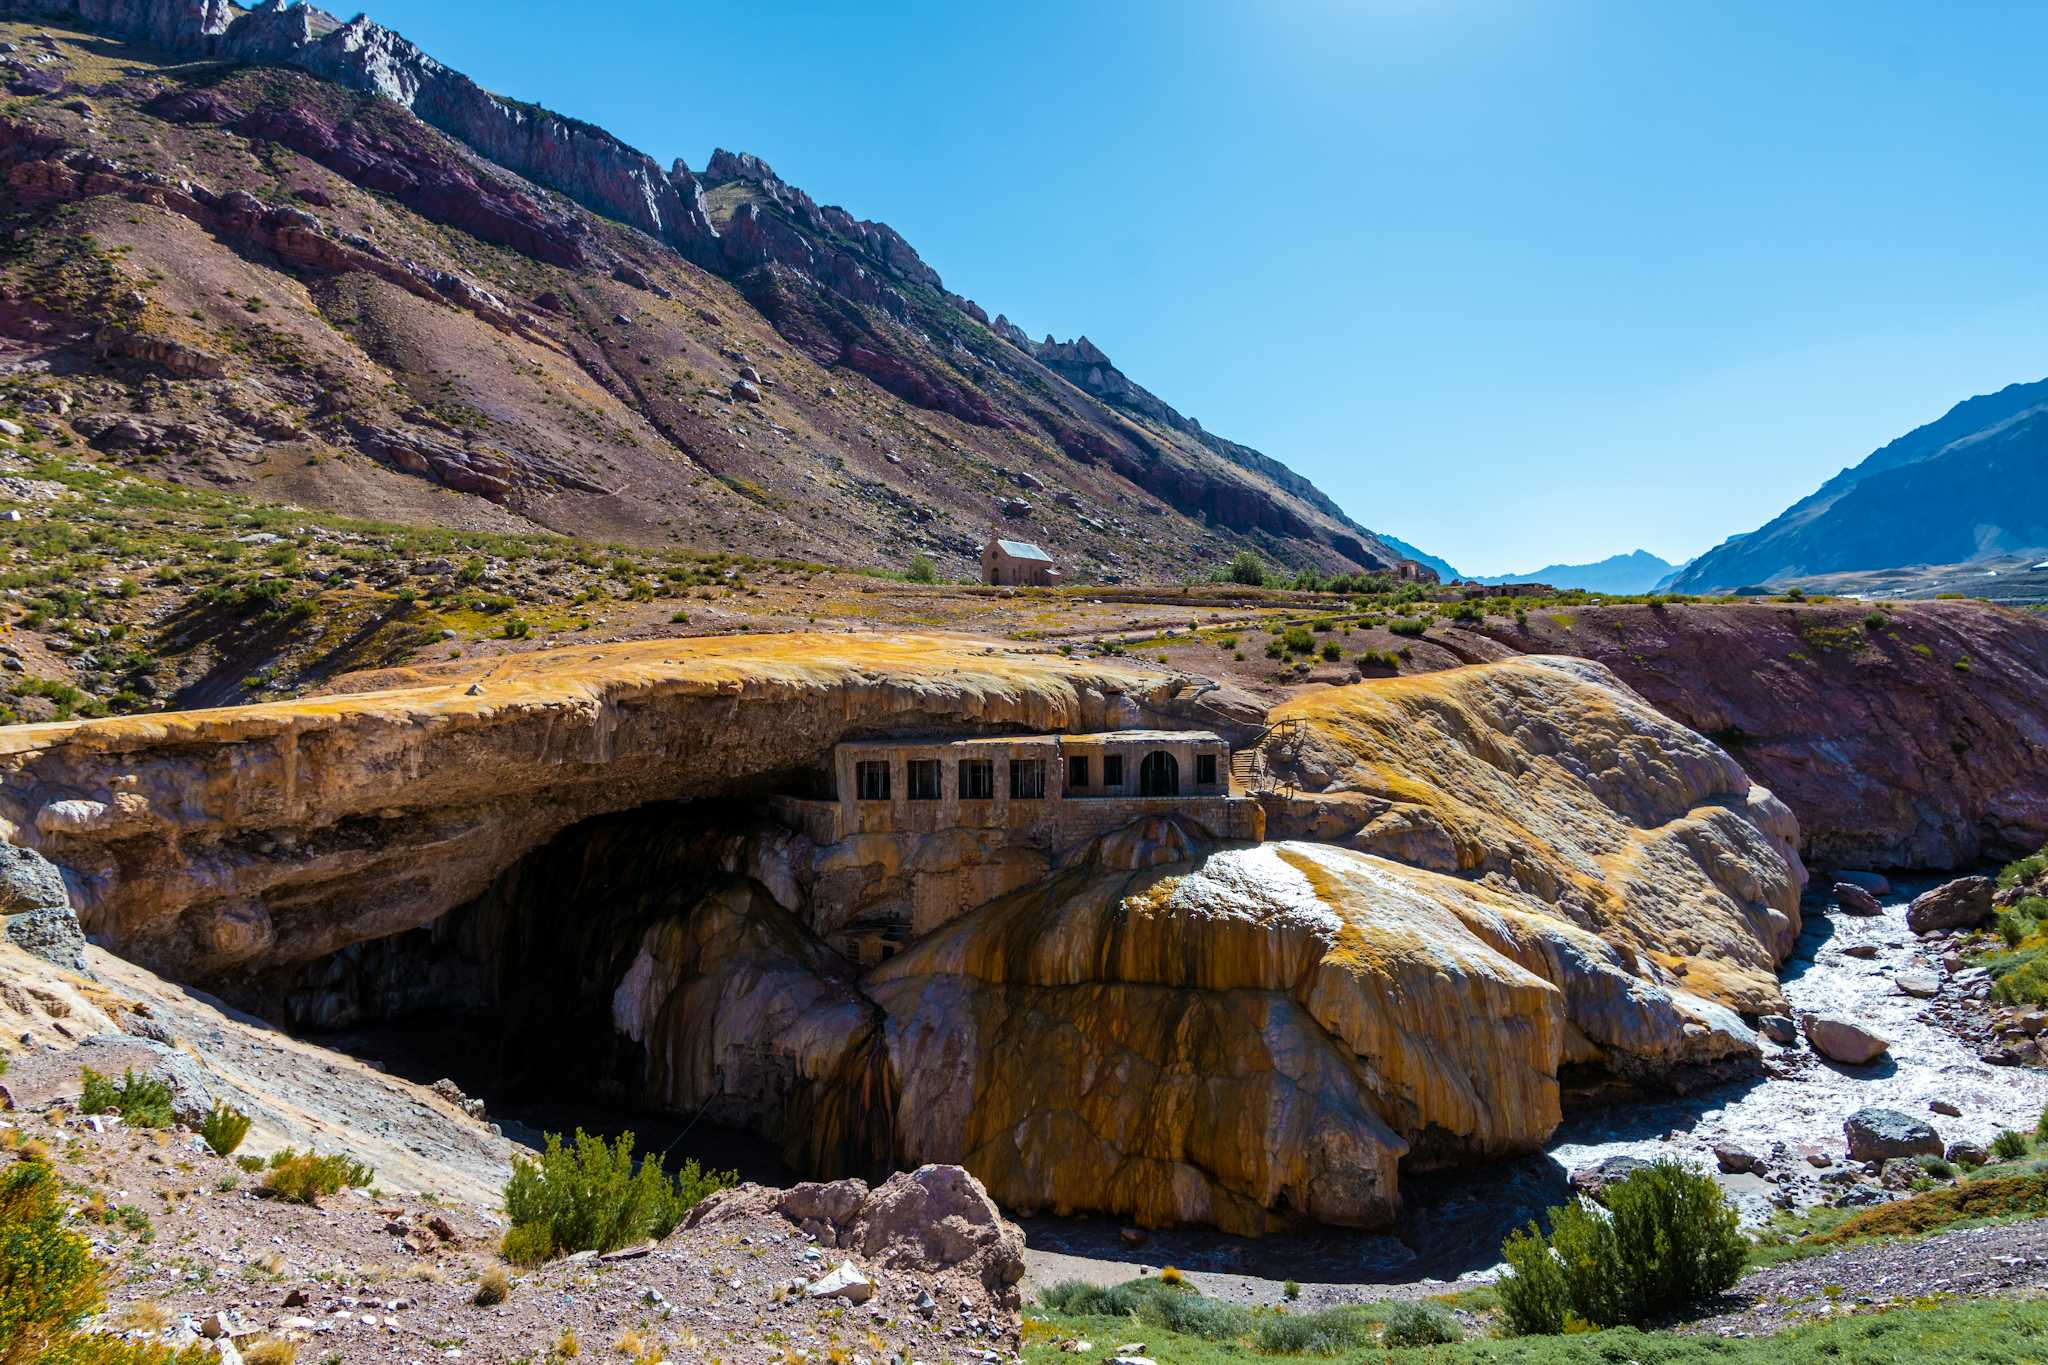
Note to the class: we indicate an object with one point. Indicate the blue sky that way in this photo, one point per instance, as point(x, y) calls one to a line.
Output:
point(1517, 282)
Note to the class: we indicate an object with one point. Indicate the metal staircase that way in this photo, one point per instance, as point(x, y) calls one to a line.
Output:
point(1250, 774)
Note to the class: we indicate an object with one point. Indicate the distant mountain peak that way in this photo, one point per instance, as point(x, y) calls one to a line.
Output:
point(1970, 484)
point(1634, 572)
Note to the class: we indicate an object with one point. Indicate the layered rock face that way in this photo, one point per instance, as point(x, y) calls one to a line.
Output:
point(1549, 779)
point(205, 842)
point(1917, 743)
point(1242, 1035)
point(1261, 1033)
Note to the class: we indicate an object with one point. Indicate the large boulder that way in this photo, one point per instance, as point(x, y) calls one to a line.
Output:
point(933, 1222)
point(1963, 903)
point(1882, 1134)
point(1593, 1181)
point(938, 1218)
point(1840, 1040)
point(35, 909)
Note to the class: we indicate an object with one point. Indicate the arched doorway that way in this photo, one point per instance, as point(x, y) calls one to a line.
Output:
point(1159, 775)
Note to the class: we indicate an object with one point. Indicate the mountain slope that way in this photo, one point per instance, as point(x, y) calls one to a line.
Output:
point(277, 250)
point(1639, 571)
point(1971, 484)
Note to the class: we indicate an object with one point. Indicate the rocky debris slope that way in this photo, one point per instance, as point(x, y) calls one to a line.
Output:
point(296, 1094)
point(589, 340)
point(374, 1276)
point(1970, 1263)
point(1911, 736)
point(209, 841)
point(1547, 779)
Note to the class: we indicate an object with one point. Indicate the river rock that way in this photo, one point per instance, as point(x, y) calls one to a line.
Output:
point(1966, 1153)
point(1840, 1040)
point(1920, 985)
point(1963, 903)
point(1779, 1029)
point(1865, 951)
point(1875, 883)
point(35, 909)
point(1946, 1108)
point(843, 1283)
point(1734, 1160)
point(1592, 1181)
point(1881, 1134)
point(1854, 900)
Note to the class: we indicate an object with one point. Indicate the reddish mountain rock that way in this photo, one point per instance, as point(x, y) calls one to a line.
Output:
point(1915, 739)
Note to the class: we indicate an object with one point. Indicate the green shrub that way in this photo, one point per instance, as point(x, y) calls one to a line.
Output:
point(2025, 870)
point(1669, 1241)
point(921, 570)
point(1323, 1333)
point(224, 1129)
point(1078, 1298)
point(1408, 626)
point(592, 1196)
point(1937, 1167)
point(1291, 1290)
point(140, 1101)
point(1331, 652)
point(1248, 569)
point(1421, 1324)
point(529, 1244)
point(304, 1178)
point(1298, 640)
point(251, 1164)
point(2009, 1146)
point(49, 1283)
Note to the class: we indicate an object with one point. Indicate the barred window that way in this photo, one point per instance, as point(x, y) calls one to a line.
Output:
point(871, 779)
point(1077, 771)
point(977, 779)
point(1027, 779)
point(923, 779)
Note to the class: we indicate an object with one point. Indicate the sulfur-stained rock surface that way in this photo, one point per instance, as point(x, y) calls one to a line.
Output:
point(1542, 872)
point(1549, 778)
point(1265, 1029)
point(207, 841)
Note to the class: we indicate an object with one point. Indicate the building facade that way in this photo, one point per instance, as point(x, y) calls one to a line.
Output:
point(1016, 564)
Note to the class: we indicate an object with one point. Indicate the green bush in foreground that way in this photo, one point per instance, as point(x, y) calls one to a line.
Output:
point(224, 1129)
point(592, 1197)
point(1668, 1242)
point(49, 1283)
point(304, 1178)
point(140, 1101)
point(1421, 1324)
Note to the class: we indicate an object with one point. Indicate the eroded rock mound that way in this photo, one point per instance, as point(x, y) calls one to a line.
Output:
point(936, 1223)
point(1548, 778)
